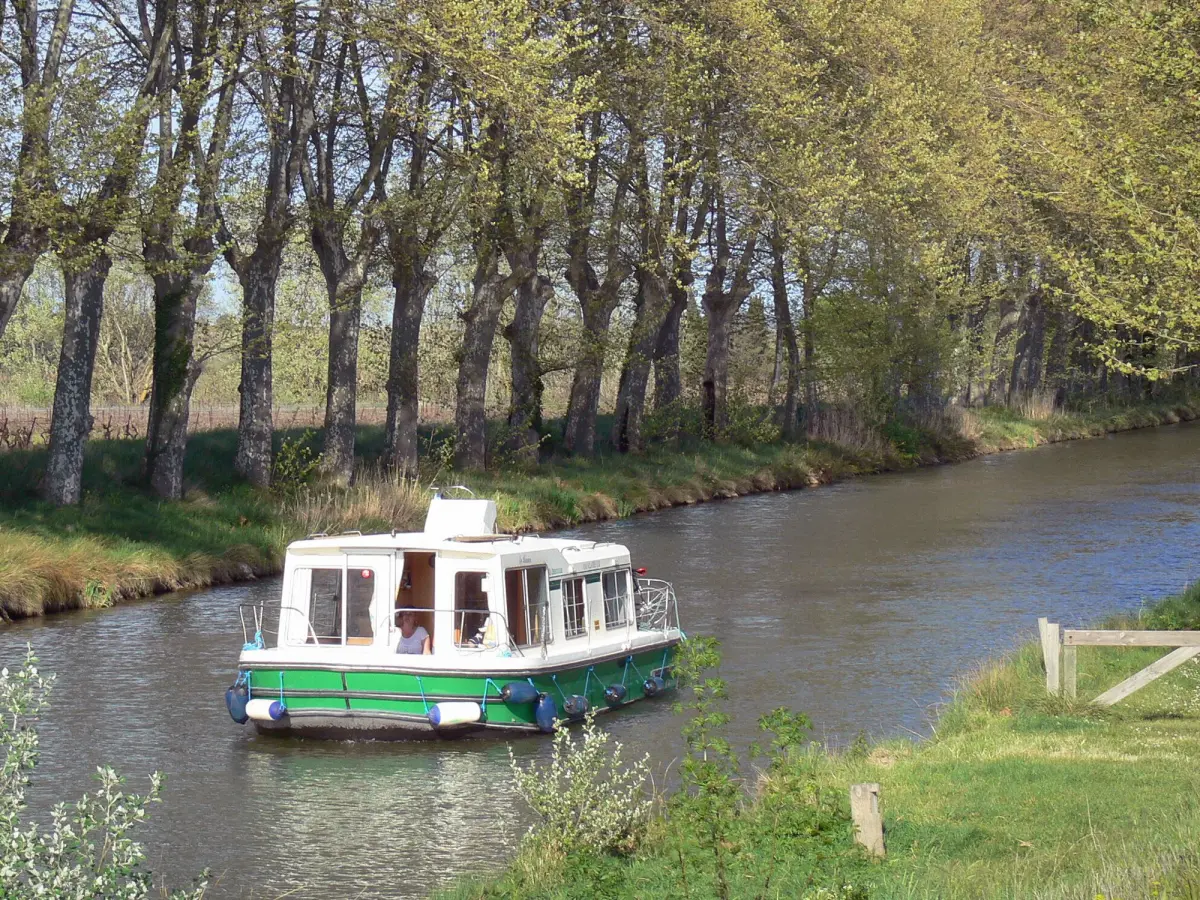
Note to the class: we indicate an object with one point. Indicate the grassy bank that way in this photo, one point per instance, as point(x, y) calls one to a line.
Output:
point(122, 543)
point(1017, 795)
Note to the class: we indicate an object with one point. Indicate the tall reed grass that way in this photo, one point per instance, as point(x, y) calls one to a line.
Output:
point(378, 500)
point(1039, 406)
point(845, 428)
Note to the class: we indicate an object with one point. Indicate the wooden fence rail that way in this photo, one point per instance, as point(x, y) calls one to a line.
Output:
point(1059, 654)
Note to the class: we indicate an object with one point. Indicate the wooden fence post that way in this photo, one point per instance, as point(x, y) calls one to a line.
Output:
point(1070, 669)
point(1051, 652)
point(868, 821)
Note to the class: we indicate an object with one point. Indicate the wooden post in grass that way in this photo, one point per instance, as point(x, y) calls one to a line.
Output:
point(1051, 652)
point(1070, 670)
point(868, 821)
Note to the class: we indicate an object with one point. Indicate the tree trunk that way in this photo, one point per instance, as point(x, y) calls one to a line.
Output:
point(11, 284)
point(584, 404)
point(776, 366)
point(785, 340)
point(716, 367)
point(975, 319)
point(411, 285)
point(522, 334)
point(1009, 316)
point(71, 420)
point(258, 280)
point(175, 374)
point(1026, 375)
point(651, 306)
point(470, 414)
point(1058, 354)
point(668, 386)
point(341, 391)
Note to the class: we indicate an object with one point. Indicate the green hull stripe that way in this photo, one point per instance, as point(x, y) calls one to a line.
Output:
point(398, 692)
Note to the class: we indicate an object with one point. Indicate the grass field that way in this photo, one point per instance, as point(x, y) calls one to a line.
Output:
point(1017, 795)
point(122, 543)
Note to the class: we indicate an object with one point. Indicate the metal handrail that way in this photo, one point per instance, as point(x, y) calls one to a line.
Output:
point(387, 617)
point(487, 614)
point(654, 603)
point(260, 606)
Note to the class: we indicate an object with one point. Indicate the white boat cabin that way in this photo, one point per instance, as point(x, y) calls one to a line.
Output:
point(474, 592)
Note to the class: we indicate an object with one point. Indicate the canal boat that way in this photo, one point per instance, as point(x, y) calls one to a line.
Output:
point(452, 630)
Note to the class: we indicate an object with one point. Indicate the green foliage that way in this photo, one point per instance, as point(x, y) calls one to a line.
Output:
point(749, 425)
point(88, 850)
point(295, 464)
point(585, 797)
point(906, 439)
point(740, 843)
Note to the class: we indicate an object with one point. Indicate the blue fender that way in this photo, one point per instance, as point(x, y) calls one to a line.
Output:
point(519, 692)
point(575, 706)
point(545, 713)
point(235, 701)
point(615, 694)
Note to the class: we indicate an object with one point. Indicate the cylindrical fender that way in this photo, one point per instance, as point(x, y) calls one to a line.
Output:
point(576, 706)
point(454, 712)
point(236, 699)
point(519, 692)
point(545, 713)
point(262, 709)
point(615, 694)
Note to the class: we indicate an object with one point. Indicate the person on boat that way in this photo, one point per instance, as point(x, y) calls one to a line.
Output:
point(413, 637)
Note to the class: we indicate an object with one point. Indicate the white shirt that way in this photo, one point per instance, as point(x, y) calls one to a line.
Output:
point(413, 644)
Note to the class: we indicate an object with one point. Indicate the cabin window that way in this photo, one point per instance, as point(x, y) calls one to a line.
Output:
point(361, 583)
point(470, 609)
point(325, 606)
point(616, 599)
point(525, 597)
point(574, 610)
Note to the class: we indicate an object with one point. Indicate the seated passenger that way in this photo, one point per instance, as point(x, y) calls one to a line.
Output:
point(413, 638)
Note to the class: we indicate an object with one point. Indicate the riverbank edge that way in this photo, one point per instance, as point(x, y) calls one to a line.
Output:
point(59, 569)
point(997, 735)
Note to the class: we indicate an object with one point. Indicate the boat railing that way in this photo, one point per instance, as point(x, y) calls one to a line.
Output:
point(483, 630)
point(655, 605)
point(484, 634)
point(264, 621)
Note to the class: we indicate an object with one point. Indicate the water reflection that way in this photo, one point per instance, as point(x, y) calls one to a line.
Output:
point(857, 604)
point(399, 813)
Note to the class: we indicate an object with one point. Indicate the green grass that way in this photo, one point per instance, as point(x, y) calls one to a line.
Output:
point(1017, 795)
point(122, 543)
point(1002, 428)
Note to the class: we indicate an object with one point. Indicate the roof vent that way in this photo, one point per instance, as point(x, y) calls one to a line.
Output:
point(448, 518)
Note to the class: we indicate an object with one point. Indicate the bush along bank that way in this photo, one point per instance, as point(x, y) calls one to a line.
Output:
point(120, 543)
point(1016, 794)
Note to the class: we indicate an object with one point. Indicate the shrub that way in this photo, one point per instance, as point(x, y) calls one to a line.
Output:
point(585, 797)
point(87, 851)
point(905, 438)
point(295, 464)
point(750, 425)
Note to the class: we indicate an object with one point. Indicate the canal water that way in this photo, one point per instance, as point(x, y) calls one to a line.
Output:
point(858, 603)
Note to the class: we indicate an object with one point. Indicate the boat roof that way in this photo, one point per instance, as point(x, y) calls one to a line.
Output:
point(457, 526)
point(419, 540)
